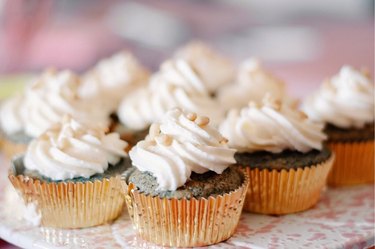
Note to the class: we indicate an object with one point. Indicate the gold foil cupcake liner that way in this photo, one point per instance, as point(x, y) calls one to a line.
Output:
point(182, 222)
point(11, 149)
point(72, 204)
point(354, 163)
point(285, 191)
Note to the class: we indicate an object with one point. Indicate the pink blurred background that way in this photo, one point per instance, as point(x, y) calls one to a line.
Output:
point(302, 42)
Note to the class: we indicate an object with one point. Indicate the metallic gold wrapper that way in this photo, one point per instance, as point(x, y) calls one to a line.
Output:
point(354, 163)
point(285, 191)
point(72, 204)
point(11, 149)
point(185, 223)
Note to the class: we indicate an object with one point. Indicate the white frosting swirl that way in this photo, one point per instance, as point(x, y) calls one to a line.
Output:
point(52, 96)
point(346, 100)
point(214, 69)
point(176, 85)
point(113, 78)
point(180, 74)
point(12, 115)
point(252, 84)
point(182, 144)
point(273, 127)
point(71, 149)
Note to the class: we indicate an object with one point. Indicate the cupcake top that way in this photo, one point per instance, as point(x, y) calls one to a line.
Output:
point(179, 73)
point(175, 85)
point(252, 84)
point(72, 149)
point(272, 126)
point(112, 78)
point(181, 144)
point(213, 68)
point(53, 95)
point(345, 101)
point(12, 115)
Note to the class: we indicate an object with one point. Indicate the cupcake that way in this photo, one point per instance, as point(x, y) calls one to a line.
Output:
point(252, 83)
point(175, 85)
point(182, 191)
point(112, 79)
point(345, 104)
point(43, 103)
point(71, 173)
point(283, 153)
point(212, 67)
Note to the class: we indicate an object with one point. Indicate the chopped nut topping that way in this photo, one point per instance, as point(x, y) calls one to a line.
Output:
point(192, 116)
point(202, 121)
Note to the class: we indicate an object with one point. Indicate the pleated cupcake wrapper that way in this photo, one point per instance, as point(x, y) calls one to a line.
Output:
point(185, 223)
point(285, 191)
point(354, 163)
point(11, 149)
point(72, 204)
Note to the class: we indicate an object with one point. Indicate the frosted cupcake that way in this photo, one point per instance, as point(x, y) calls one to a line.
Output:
point(212, 68)
point(112, 79)
point(43, 103)
point(345, 103)
point(71, 173)
point(175, 85)
point(283, 153)
point(182, 191)
point(253, 82)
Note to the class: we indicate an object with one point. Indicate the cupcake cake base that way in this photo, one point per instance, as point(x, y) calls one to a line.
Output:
point(185, 222)
point(287, 183)
point(354, 149)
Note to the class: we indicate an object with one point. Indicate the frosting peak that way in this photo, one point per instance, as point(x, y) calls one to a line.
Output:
point(113, 78)
point(180, 144)
point(213, 68)
point(271, 126)
point(52, 96)
point(346, 100)
point(71, 149)
point(252, 84)
point(175, 85)
point(181, 74)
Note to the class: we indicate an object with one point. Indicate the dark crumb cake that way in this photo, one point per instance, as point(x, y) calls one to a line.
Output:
point(199, 185)
point(285, 160)
point(336, 134)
